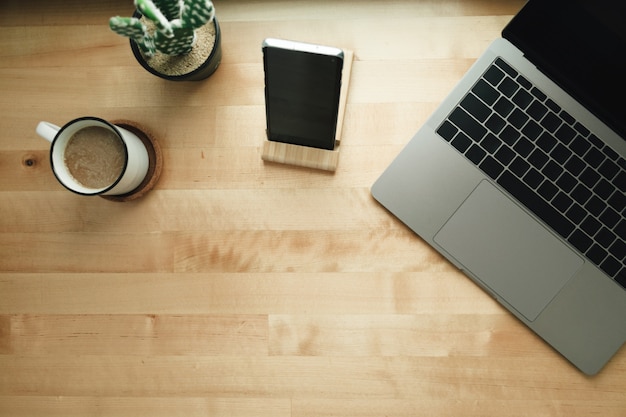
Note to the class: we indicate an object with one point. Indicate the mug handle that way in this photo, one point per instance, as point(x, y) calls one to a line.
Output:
point(47, 130)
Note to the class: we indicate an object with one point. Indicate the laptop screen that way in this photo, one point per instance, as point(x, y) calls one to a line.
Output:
point(581, 45)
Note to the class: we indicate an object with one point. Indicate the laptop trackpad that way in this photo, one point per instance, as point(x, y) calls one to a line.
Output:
point(511, 253)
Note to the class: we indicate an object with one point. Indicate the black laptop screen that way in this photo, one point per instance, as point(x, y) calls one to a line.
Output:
point(581, 45)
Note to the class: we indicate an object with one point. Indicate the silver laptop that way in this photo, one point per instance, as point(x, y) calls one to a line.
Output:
point(519, 177)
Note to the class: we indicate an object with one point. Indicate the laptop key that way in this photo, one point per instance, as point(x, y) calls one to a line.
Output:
point(562, 202)
point(523, 147)
point(538, 159)
point(518, 118)
point(580, 146)
point(547, 190)
point(552, 171)
point(524, 82)
point(608, 169)
point(509, 135)
point(475, 154)
point(485, 92)
point(596, 141)
point(551, 122)
point(575, 165)
point(467, 123)
point(596, 254)
point(581, 129)
point(491, 143)
point(589, 177)
point(581, 194)
point(546, 142)
point(576, 213)
point(565, 134)
point(519, 166)
point(491, 167)
point(605, 237)
point(447, 131)
point(595, 206)
point(610, 218)
point(495, 123)
point(475, 107)
point(461, 142)
point(590, 226)
point(506, 67)
point(522, 98)
point(567, 117)
point(503, 106)
point(494, 75)
point(580, 241)
point(508, 87)
point(538, 94)
point(611, 266)
point(553, 106)
point(537, 110)
point(566, 182)
point(603, 189)
point(610, 153)
point(560, 153)
point(504, 155)
point(532, 130)
point(533, 178)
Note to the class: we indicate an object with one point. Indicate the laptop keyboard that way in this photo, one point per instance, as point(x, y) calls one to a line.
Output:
point(548, 161)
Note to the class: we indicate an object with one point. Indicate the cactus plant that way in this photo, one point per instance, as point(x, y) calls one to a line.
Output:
point(175, 22)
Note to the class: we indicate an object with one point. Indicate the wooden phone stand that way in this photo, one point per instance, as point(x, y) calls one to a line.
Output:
point(306, 156)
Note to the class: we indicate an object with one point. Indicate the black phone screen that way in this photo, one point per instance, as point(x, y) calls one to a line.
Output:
point(302, 96)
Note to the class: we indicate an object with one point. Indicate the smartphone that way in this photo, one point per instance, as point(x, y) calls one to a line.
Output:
point(302, 87)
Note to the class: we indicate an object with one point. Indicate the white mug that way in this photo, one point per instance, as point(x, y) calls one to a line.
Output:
point(135, 162)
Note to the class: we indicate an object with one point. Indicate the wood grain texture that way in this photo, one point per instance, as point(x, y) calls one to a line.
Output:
point(238, 288)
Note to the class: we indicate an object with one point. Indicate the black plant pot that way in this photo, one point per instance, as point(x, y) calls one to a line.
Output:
point(207, 68)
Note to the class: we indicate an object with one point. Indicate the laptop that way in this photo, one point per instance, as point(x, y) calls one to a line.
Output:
point(519, 177)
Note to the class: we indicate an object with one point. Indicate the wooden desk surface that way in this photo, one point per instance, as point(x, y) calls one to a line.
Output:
point(238, 287)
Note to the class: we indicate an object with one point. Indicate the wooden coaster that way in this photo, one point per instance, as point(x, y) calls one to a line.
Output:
point(155, 158)
point(306, 156)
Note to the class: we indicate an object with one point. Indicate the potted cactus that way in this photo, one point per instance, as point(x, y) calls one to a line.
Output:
point(177, 40)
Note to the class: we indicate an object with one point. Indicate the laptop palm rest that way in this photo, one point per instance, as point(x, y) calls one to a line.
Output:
point(487, 234)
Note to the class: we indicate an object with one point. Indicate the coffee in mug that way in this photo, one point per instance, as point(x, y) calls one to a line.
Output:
point(95, 156)
point(91, 156)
